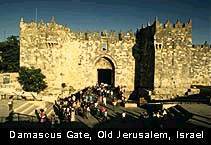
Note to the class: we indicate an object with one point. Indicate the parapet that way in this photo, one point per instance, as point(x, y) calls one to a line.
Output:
point(52, 26)
point(201, 46)
point(167, 24)
point(41, 24)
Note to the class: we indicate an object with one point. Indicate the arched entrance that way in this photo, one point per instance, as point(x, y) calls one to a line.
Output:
point(105, 71)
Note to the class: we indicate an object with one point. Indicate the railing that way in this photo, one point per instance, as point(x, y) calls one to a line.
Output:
point(18, 117)
point(25, 117)
point(2, 119)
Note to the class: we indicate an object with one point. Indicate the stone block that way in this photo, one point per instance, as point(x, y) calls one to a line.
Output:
point(130, 105)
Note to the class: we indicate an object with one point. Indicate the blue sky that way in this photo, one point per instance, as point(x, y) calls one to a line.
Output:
point(99, 15)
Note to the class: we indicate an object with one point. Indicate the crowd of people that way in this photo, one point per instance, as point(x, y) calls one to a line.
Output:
point(89, 101)
point(93, 101)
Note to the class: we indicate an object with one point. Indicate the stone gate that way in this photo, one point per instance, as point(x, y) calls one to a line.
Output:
point(78, 59)
point(159, 57)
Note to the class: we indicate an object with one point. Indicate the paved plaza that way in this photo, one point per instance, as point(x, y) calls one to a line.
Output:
point(201, 114)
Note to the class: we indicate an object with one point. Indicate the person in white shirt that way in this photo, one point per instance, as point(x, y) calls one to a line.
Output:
point(72, 118)
point(111, 93)
point(96, 104)
point(73, 98)
point(154, 115)
point(164, 112)
point(104, 101)
point(88, 111)
point(123, 115)
point(105, 115)
point(158, 115)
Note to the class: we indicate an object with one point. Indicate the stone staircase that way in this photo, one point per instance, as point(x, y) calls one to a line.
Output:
point(29, 107)
point(180, 113)
point(201, 121)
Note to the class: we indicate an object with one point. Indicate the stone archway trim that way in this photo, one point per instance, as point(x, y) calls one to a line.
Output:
point(105, 56)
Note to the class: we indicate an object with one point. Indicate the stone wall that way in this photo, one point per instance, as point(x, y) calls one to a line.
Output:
point(201, 65)
point(172, 58)
point(9, 80)
point(159, 58)
point(73, 58)
point(9, 84)
point(166, 62)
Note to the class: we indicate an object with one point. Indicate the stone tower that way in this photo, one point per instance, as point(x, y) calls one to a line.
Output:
point(159, 59)
point(162, 55)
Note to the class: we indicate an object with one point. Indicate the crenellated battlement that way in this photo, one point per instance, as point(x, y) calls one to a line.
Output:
point(74, 57)
point(42, 25)
point(158, 57)
point(111, 35)
point(53, 28)
point(178, 24)
point(168, 24)
point(201, 46)
point(159, 33)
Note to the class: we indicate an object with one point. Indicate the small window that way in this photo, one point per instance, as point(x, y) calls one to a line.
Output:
point(160, 46)
point(86, 36)
point(104, 46)
point(120, 37)
point(49, 44)
point(6, 79)
point(103, 34)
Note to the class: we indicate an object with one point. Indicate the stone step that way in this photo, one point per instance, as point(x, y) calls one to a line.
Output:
point(28, 110)
point(48, 106)
point(22, 107)
point(199, 123)
point(32, 113)
point(202, 119)
point(91, 122)
point(49, 110)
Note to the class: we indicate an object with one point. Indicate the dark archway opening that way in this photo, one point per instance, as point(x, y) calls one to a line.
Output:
point(106, 76)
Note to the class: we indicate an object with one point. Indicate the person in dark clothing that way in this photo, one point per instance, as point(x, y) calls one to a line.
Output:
point(37, 115)
point(10, 103)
